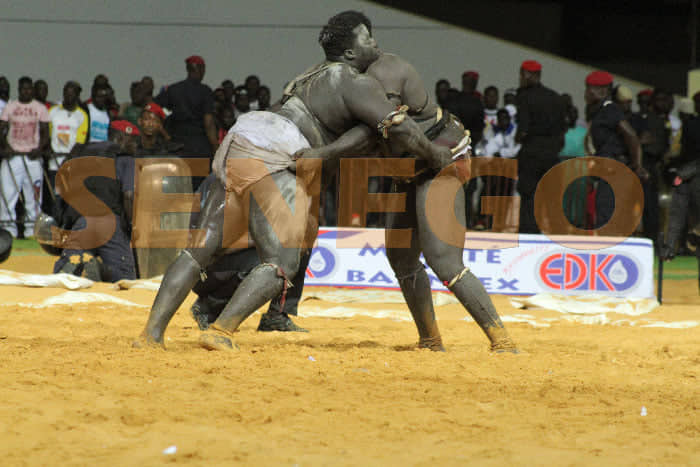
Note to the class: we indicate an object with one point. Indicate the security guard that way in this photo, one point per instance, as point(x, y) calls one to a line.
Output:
point(113, 260)
point(192, 120)
point(541, 128)
point(611, 136)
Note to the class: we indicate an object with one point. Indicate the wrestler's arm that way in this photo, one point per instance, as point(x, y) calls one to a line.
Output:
point(357, 140)
point(364, 97)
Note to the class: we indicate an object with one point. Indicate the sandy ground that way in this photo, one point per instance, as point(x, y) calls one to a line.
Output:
point(352, 392)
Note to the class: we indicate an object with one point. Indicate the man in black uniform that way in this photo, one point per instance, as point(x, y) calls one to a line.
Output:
point(113, 260)
point(192, 120)
point(654, 138)
point(541, 128)
point(685, 191)
point(611, 136)
point(685, 200)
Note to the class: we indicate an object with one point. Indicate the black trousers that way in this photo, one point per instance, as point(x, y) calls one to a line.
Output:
point(531, 169)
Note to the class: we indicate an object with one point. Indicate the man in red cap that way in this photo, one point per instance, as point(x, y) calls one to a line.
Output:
point(192, 120)
point(644, 100)
point(610, 135)
point(154, 138)
point(470, 81)
point(541, 128)
point(113, 260)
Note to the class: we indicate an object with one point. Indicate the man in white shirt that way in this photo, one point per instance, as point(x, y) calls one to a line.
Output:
point(502, 143)
point(99, 117)
point(68, 126)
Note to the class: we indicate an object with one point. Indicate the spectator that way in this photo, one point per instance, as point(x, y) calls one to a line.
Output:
point(685, 201)
point(442, 93)
point(97, 111)
point(623, 98)
point(470, 81)
point(131, 111)
point(491, 105)
point(111, 103)
point(4, 92)
point(226, 121)
point(148, 87)
point(153, 137)
point(576, 207)
point(263, 98)
point(241, 102)
point(611, 136)
point(541, 128)
point(229, 91)
point(192, 120)
point(644, 100)
point(68, 127)
point(252, 84)
point(41, 92)
point(219, 100)
point(151, 140)
point(509, 102)
point(100, 80)
point(574, 136)
point(24, 135)
point(503, 144)
point(116, 260)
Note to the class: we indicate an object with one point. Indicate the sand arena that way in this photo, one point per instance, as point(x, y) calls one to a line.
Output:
point(352, 392)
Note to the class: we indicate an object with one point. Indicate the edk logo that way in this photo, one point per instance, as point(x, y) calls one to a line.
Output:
point(321, 264)
point(595, 272)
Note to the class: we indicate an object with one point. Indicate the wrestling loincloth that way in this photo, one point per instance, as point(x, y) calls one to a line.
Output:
point(266, 139)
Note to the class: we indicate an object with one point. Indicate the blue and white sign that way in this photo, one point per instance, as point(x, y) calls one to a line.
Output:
point(504, 263)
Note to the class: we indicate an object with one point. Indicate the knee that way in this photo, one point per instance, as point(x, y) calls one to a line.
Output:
point(402, 261)
point(444, 266)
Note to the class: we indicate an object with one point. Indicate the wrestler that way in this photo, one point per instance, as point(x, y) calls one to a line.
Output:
point(325, 102)
point(404, 86)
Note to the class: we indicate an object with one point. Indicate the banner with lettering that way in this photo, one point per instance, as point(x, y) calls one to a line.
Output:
point(515, 264)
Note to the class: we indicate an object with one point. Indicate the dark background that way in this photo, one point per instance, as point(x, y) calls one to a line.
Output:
point(649, 42)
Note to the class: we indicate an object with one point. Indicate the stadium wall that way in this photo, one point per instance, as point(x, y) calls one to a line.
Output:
point(63, 40)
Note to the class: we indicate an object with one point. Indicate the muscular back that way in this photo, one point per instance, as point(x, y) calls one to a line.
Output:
point(317, 104)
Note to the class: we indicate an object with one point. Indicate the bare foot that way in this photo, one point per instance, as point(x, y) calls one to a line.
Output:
point(501, 341)
point(145, 341)
point(504, 346)
point(217, 339)
point(432, 343)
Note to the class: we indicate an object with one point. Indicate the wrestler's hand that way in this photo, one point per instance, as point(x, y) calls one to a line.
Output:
point(309, 153)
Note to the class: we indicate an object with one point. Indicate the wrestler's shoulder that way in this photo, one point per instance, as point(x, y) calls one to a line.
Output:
point(388, 62)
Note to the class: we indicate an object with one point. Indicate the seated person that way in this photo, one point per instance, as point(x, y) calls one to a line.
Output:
point(113, 260)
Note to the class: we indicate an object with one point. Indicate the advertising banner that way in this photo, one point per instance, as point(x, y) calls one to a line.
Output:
point(514, 264)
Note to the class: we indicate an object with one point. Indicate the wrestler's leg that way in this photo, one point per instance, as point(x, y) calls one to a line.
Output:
point(409, 271)
point(185, 271)
point(277, 316)
point(444, 256)
point(278, 266)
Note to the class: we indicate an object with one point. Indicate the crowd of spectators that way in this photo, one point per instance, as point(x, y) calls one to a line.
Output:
point(537, 126)
point(541, 127)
